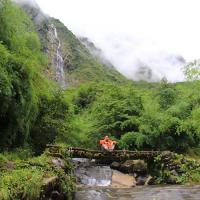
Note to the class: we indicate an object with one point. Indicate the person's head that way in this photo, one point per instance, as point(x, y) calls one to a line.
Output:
point(106, 138)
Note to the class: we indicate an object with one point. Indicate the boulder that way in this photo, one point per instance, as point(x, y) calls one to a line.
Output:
point(140, 167)
point(134, 166)
point(171, 179)
point(115, 165)
point(55, 195)
point(141, 180)
point(127, 166)
point(8, 165)
point(122, 180)
point(148, 180)
point(58, 162)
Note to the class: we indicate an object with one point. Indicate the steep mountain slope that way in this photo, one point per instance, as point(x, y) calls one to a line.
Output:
point(79, 64)
point(95, 51)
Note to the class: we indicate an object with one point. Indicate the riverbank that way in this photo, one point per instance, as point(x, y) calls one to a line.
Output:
point(24, 176)
point(120, 186)
point(167, 168)
point(35, 178)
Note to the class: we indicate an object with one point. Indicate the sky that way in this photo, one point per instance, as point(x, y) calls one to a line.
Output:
point(156, 34)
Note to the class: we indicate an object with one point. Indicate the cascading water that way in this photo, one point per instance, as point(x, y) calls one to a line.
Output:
point(60, 75)
point(58, 61)
point(97, 184)
point(88, 173)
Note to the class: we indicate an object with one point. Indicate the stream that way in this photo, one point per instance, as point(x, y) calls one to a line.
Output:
point(102, 183)
point(139, 193)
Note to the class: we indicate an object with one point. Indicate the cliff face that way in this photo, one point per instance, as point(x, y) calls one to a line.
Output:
point(70, 63)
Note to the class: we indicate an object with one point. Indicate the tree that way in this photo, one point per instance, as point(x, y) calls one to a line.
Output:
point(192, 70)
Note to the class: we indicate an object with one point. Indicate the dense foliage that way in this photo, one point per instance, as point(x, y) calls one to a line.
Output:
point(159, 116)
point(24, 178)
point(29, 103)
point(33, 111)
point(19, 62)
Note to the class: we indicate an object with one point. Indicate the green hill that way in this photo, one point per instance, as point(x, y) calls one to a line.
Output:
point(80, 66)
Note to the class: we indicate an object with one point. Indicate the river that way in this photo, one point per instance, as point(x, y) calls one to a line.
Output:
point(139, 193)
point(96, 183)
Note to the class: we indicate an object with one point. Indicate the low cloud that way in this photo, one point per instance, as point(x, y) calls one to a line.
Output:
point(139, 37)
point(140, 59)
point(30, 2)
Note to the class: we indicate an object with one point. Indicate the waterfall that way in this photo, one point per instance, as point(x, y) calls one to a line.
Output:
point(60, 75)
point(58, 61)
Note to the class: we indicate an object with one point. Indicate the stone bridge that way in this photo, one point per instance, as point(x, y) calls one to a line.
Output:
point(165, 165)
point(108, 157)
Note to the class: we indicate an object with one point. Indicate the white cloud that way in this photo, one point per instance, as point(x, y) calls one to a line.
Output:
point(128, 31)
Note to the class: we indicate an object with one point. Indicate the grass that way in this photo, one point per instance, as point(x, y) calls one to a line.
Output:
point(24, 180)
point(21, 183)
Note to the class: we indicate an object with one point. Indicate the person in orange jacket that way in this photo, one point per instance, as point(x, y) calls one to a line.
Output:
point(107, 144)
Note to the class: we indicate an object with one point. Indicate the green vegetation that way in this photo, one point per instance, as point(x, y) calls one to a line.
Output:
point(80, 65)
point(25, 178)
point(175, 169)
point(20, 64)
point(32, 110)
point(35, 112)
point(159, 116)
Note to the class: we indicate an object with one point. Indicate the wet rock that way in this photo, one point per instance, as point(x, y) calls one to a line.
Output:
point(55, 195)
point(122, 180)
point(115, 165)
point(142, 180)
point(171, 179)
point(134, 166)
point(139, 166)
point(127, 166)
point(58, 162)
point(148, 180)
point(50, 186)
point(151, 181)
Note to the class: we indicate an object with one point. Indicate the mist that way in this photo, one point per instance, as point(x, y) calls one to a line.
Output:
point(139, 59)
point(144, 40)
point(30, 2)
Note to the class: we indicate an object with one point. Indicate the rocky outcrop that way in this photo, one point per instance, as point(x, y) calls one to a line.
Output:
point(131, 166)
point(115, 165)
point(58, 162)
point(137, 169)
point(143, 179)
point(122, 180)
point(134, 166)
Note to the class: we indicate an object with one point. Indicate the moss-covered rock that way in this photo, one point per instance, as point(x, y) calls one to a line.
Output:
point(174, 168)
point(36, 178)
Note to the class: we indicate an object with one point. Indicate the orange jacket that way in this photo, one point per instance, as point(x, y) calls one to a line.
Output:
point(109, 143)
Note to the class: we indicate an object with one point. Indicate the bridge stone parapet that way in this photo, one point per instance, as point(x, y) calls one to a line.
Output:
point(108, 157)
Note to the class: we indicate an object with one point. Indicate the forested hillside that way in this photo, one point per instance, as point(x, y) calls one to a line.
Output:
point(141, 116)
point(34, 110)
point(31, 101)
point(21, 82)
point(80, 66)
